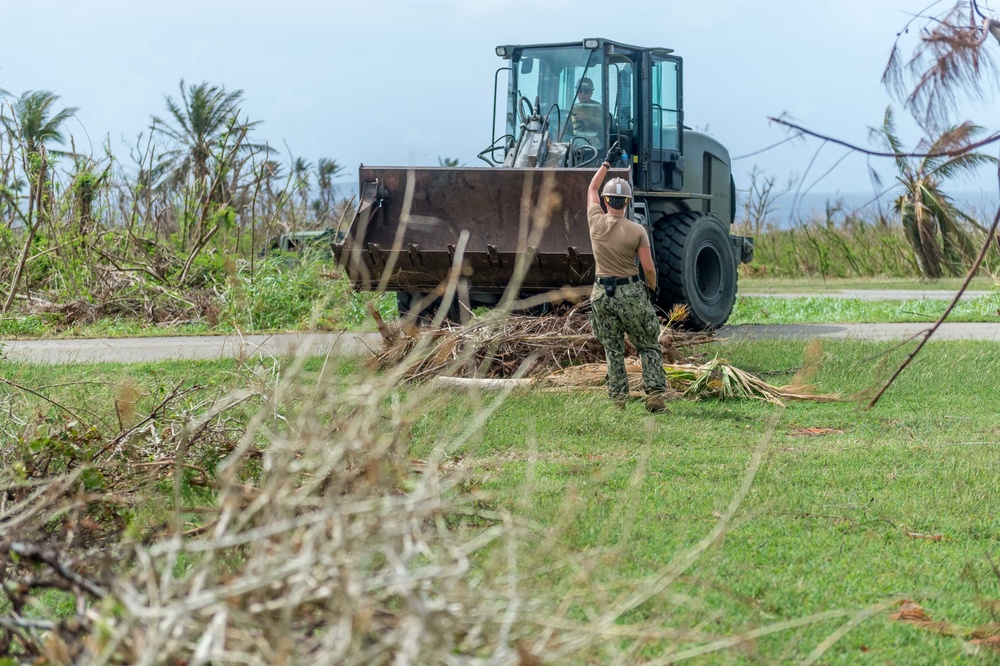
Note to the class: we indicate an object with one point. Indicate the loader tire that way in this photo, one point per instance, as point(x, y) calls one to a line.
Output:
point(695, 265)
point(407, 300)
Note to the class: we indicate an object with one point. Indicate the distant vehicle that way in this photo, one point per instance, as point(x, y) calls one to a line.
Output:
point(297, 241)
point(684, 193)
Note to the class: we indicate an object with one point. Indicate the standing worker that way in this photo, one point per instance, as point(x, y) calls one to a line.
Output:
point(619, 300)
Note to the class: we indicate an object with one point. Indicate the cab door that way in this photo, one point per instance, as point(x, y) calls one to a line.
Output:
point(663, 122)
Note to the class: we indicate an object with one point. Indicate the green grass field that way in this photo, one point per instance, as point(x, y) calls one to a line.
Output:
point(824, 310)
point(815, 308)
point(809, 285)
point(851, 508)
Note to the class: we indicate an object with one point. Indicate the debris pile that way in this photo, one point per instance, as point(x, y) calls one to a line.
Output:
point(561, 352)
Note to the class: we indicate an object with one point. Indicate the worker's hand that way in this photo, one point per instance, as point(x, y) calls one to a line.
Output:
point(653, 293)
point(614, 155)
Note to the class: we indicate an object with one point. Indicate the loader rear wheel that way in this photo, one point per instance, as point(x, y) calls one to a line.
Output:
point(695, 265)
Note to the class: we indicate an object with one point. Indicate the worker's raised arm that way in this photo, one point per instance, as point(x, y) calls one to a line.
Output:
point(593, 192)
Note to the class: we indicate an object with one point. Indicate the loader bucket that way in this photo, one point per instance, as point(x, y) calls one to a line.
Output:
point(410, 222)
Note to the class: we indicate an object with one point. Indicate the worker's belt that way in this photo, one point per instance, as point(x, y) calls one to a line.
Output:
point(611, 284)
point(607, 281)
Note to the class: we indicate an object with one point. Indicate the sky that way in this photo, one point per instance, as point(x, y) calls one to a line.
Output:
point(404, 83)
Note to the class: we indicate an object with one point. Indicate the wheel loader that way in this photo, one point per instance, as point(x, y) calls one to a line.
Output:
point(515, 231)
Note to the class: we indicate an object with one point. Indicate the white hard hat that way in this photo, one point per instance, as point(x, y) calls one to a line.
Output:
point(617, 187)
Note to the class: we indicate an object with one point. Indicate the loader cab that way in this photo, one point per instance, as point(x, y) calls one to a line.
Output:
point(636, 101)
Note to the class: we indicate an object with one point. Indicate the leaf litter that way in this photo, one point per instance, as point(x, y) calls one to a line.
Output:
point(814, 432)
point(914, 614)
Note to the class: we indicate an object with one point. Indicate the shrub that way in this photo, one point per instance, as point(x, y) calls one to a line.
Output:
point(288, 292)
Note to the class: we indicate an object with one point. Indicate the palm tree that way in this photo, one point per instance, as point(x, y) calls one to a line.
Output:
point(33, 123)
point(932, 223)
point(326, 170)
point(203, 120)
point(269, 173)
point(300, 176)
point(207, 132)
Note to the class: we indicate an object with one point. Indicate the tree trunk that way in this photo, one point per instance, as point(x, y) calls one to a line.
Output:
point(34, 220)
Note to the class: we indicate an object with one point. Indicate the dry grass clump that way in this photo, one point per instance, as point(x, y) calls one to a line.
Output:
point(321, 541)
point(70, 496)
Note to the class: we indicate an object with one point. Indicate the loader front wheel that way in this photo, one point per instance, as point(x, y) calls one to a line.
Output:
point(695, 265)
point(407, 301)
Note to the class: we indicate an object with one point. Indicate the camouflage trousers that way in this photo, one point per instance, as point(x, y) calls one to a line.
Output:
point(628, 311)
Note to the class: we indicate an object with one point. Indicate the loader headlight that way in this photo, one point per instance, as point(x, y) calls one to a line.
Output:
point(590, 43)
point(502, 51)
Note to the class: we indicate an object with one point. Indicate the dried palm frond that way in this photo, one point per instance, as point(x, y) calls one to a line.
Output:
point(949, 60)
point(716, 379)
point(722, 380)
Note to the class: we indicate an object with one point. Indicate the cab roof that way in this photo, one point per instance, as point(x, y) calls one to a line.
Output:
point(591, 43)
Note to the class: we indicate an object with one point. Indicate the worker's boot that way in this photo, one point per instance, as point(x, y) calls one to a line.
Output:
point(655, 404)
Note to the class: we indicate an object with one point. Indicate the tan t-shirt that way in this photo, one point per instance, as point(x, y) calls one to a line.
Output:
point(616, 241)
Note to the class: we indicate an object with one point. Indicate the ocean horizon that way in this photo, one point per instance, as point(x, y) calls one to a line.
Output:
point(789, 210)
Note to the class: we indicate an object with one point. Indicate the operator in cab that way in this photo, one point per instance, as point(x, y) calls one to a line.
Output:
point(620, 303)
point(585, 116)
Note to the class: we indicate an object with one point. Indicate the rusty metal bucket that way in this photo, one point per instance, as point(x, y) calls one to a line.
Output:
point(528, 224)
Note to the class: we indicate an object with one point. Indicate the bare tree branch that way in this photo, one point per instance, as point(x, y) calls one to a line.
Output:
point(36, 553)
point(951, 306)
point(992, 138)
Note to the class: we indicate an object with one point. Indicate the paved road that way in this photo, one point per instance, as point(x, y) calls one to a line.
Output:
point(947, 331)
point(137, 350)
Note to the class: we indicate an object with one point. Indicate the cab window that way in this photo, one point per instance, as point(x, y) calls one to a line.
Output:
point(666, 105)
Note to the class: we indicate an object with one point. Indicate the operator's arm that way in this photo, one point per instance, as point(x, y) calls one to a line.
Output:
point(576, 125)
point(593, 192)
point(646, 261)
